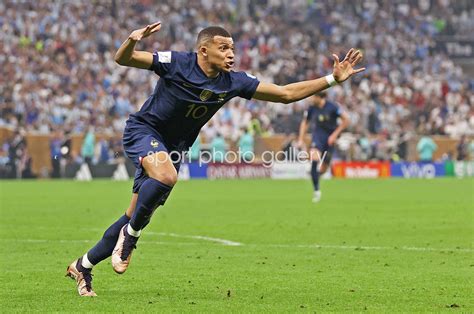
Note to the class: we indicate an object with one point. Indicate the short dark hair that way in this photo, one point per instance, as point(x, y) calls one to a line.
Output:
point(209, 32)
point(321, 94)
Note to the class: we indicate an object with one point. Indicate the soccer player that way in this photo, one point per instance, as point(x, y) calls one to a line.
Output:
point(323, 115)
point(191, 88)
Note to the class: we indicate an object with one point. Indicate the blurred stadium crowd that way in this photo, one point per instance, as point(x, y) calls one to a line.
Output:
point(59, 76)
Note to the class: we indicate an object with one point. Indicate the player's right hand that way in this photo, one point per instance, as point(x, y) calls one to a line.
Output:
point(145, 32)
point(345, 68)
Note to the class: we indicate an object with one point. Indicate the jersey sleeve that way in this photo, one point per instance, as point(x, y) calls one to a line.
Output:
point(246, 84)
point(163, 62)
point(308, 114)
point(337, 110)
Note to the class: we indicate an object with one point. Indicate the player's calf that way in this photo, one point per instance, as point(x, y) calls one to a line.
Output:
point(151, 194)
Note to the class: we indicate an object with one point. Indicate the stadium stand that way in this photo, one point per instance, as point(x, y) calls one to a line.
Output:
point(59, 76)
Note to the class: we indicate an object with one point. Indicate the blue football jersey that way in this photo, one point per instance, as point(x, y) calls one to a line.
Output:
point(325, 118)
point(184, 98)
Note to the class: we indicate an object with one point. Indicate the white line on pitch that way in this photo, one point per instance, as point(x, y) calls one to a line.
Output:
point(356, 247)
point(90, 241)
point(185, 236)
point(175, 235)
point(197, 237)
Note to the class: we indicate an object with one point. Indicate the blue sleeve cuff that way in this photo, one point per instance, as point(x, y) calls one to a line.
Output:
point(154, 62)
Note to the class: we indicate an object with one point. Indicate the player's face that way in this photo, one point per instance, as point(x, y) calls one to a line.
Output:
point(317, 101)
point(220, 53)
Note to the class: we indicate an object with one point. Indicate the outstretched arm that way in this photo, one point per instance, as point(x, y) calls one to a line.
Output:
point(127, 55)
point(300, 90)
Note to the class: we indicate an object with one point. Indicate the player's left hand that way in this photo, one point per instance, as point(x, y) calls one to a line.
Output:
point(332, 139)
point(345, 69)
point(145, 32)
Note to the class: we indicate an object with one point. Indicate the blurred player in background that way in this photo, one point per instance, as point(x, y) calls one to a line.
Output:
point(323, 117)
point(191, 88)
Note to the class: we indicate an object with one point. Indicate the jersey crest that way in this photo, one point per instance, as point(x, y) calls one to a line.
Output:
point(205, 94)
point(154, 143)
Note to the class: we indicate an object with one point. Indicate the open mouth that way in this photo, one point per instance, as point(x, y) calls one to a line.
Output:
point(229, 64)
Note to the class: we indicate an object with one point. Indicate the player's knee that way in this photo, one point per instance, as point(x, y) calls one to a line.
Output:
point(166, 177)
point(315, 155)
point(170, 178)
point(324, 167)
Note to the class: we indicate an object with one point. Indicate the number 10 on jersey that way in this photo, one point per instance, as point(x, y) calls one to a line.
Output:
point(196, 112)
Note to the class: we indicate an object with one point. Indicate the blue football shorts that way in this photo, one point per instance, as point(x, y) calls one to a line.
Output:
point(140, 141)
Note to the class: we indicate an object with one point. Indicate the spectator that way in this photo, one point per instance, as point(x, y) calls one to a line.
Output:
point(365, 147)
point(426, 147)
point(102, 151)
point(246, 145)
point(17, 153)
point(462, 149)
point(471, 150)
point(410, 84)
point(88, 145)
point(66, 155)
point(55, 149)
point(218, 148)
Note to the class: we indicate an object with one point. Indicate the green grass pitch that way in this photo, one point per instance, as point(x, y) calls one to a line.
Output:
point(370, 245)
